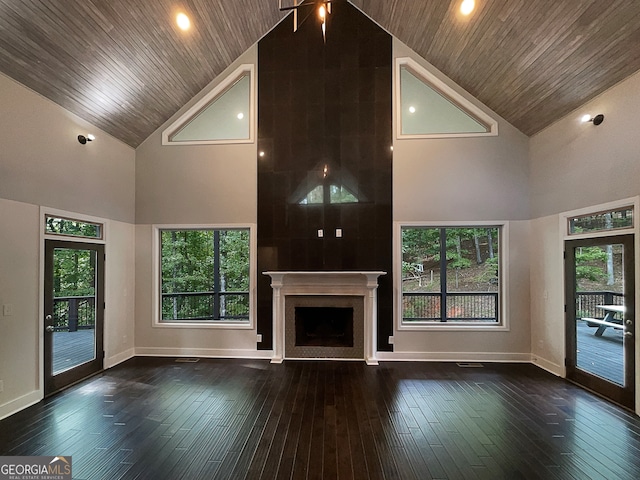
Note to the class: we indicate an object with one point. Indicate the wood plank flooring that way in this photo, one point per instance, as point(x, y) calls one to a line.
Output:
point(151, 418)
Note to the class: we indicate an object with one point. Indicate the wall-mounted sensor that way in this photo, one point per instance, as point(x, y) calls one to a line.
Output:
point(320, 233)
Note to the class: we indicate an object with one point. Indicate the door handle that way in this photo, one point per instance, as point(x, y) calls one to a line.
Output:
point(628, 334)
point(49, 328)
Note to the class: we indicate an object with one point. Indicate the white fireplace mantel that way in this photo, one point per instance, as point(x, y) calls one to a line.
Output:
point(341, 283)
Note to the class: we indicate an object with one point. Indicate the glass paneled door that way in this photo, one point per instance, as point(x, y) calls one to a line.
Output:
point(600, 296)
point(73, 312)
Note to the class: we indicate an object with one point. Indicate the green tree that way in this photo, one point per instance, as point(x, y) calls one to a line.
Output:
point(74, 272)
point(589, 261)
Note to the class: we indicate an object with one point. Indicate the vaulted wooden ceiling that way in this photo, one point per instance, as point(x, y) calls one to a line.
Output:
point(124, 66)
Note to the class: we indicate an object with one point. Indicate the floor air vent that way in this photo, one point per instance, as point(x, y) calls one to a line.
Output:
point(187, 360)
point(469, 365)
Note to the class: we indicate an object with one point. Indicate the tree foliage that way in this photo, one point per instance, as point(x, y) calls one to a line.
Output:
point(188, 260)
point(74, 272)
point(591, 263)
point(421, 246)
point(76, 228)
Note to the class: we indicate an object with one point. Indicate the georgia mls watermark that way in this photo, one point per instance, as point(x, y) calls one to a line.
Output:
point(35, 468)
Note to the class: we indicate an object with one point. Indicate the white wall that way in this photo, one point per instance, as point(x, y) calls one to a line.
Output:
point(467, 179)
point(547, 295)
point(43, 164)
point(119, 315)
point(19, 289)
point(191, 185)
point(577, 165)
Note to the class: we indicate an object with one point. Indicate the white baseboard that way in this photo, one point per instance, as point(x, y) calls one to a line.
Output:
point(203, 352)
point(550, 367)
point(119, 358)
point(454, 357)
point(20, 403)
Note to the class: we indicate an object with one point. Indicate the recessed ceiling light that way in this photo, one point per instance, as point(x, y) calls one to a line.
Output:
point(240, 116)
point(412, 109)
point(586, 118)
point(467, 6)
point(183, 21)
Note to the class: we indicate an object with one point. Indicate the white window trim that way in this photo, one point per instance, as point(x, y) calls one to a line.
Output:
point(156, 273)
point(204, 101)
point(632, 202)
point(52, 212)
point(447, 92)
point(503, 294)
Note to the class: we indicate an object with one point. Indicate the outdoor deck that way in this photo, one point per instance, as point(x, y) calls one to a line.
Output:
point(72, 349)
point(602, 356)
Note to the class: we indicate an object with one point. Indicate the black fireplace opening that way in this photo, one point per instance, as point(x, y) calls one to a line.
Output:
point(324, 326)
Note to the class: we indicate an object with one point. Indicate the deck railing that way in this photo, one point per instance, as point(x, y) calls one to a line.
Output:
point(460, 307)
point(78, 312)
point(587, 302)
point(205, 306)
point(74, 313)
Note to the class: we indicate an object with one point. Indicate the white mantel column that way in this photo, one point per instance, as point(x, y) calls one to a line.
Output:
point(278, 314)
point(371, 325)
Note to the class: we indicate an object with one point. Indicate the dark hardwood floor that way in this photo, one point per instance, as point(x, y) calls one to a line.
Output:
point(152, 418)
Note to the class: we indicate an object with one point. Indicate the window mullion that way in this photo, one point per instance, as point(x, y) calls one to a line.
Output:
point(443, 275)
point(216, 274)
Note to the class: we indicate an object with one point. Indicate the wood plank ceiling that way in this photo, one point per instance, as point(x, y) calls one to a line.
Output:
point(124, 66)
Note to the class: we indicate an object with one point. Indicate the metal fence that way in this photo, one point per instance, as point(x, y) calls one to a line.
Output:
point(205, 306)
point(74, 313)
point(460, 307)
point(587, 303)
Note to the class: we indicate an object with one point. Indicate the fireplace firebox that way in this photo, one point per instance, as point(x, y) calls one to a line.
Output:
point(324, 326)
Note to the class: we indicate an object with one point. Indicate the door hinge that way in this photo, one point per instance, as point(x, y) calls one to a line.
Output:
point(104, 305)
point(564, 254)
point(103, 354)
point(565, 308)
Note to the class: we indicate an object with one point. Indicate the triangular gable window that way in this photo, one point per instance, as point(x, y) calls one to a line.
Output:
point(337, 194)
point(428, 108)
point(224, 115)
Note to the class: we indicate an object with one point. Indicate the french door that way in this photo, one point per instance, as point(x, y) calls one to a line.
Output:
point(600, 315)
point(73, 312)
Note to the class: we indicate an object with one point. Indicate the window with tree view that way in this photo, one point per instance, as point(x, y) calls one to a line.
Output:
point(450, 275)
point(73, 228)
point(205, 275)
